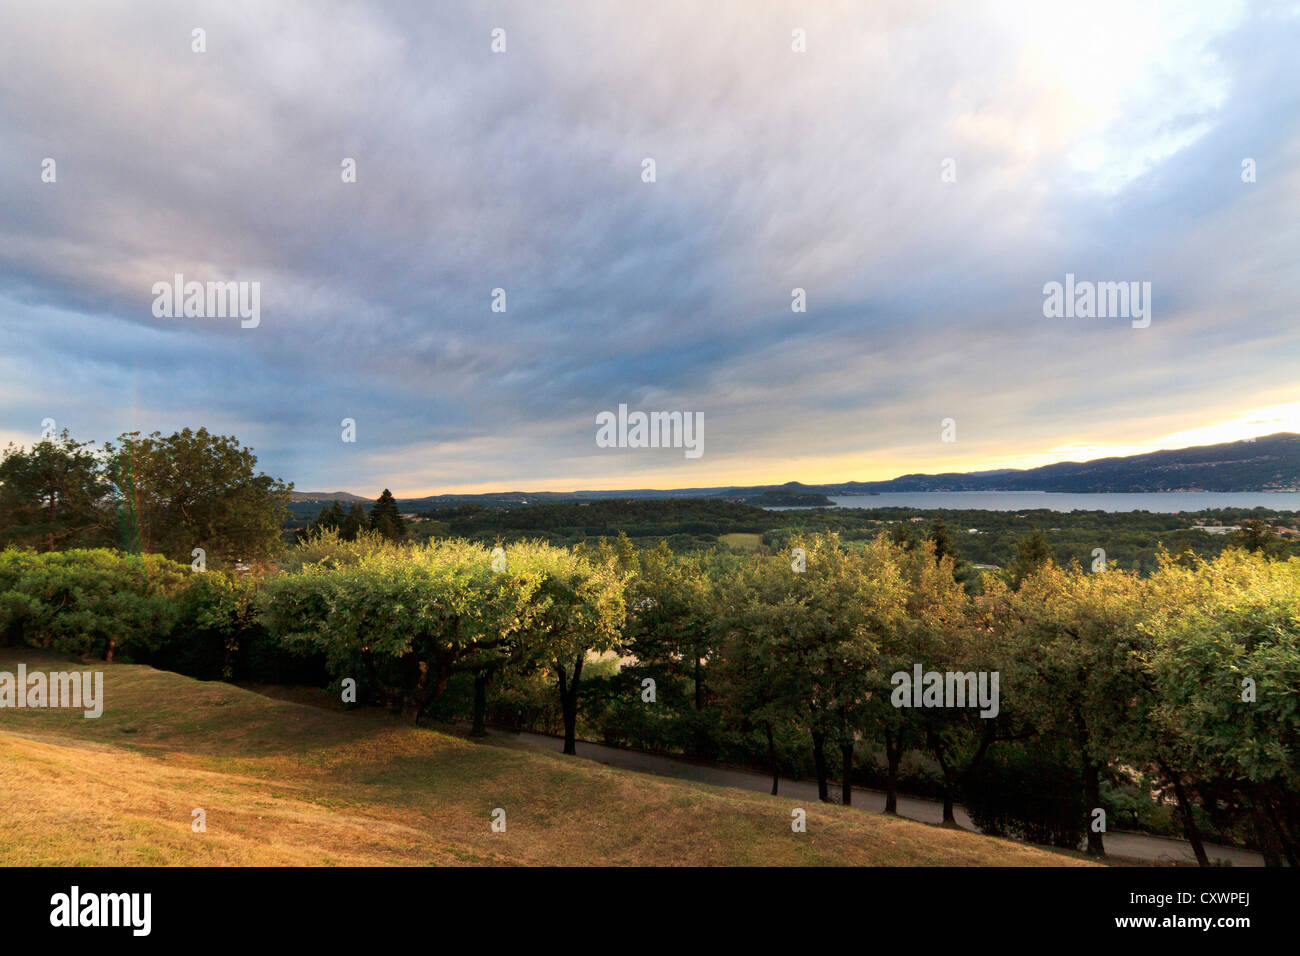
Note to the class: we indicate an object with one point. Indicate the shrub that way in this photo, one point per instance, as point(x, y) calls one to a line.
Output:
point(325, 549)
point(89, 602)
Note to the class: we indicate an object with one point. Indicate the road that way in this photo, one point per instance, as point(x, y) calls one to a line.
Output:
point(1136, 846)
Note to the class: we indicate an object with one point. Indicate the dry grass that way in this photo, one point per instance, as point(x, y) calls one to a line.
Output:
point(284, 783)
point(743, 540)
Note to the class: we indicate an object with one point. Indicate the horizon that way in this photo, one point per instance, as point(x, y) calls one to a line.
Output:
point(779, 484)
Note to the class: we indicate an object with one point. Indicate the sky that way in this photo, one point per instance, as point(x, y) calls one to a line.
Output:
point(920, 170)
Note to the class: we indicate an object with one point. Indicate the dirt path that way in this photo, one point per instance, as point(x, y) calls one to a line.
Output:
point(1137, 846)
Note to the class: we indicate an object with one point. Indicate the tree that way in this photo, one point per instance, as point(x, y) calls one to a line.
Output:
point(964, 641)
point(759, 690)
point(54, 496)
point(89, 602)
point(1258, 537)
point(672, 623)
point(904, 534)
point(330, 519)
point(402, 621)
point(937, 609)
point(943, 546)
point(1077, 639)
point(1224, 660)
point(578, 609)
point(810, 639)
point(385, 518)
point(196, 490)
point(355, 522)
point(1033, 551)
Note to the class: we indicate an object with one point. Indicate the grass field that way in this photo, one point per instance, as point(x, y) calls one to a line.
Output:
point(284, 783)
point(745, 541)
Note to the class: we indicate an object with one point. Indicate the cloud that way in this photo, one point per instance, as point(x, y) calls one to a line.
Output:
point(1106, 142)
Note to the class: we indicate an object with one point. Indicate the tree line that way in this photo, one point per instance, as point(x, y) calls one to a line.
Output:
point(164, 495)
point(151, 493)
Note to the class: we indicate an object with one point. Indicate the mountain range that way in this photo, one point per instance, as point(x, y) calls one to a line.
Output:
point(1270, 463)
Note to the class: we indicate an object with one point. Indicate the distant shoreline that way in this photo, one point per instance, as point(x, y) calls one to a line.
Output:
point(1164, 502)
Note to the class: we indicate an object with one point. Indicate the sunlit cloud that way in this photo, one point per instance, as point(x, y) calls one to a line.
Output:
point(1105, 140)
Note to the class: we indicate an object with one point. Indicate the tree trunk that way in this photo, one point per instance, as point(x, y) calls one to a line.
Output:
point(949, 780)
point(1276, 811)
point(1190, 829)
point(413, 706)
point(570, 727)
point(1273, 839)
point(819, 761)
point(569, 704)
point(433, 681)
point(480, 706)
point(1268, 841)
point(1092, 799)
point(846, 783)
point(771, 759)
point(894, 756)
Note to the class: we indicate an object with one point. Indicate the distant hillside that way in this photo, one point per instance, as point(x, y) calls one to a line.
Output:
point(790, 493)
point(1264, 464)
point(344, 497)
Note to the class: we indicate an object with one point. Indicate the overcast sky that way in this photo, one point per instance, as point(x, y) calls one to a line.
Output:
point(922, 170)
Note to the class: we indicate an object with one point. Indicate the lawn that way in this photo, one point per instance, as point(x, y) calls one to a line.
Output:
point(285, 783)
point(741, 540)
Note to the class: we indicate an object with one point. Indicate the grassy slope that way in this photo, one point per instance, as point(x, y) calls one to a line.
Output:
point(286, 783)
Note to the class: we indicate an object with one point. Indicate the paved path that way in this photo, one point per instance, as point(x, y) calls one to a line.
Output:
point(1138, 846)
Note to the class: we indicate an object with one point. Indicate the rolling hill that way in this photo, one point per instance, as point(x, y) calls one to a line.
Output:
point(1264, 464)
point(284, 783)
point(325, 497)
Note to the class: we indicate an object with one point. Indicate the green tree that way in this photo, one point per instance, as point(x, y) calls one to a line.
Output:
point(672, 618)
point(942, 541)
point(904, 534)
point(1258, 537)
point(89, 602)
point(807, 630)
point(54, 496)
point(577, 610)
point(385, 518)
point(193, 490)
point(1033, 551)
point(936, 614)
point(402, 621)
point(355, 522)
point(331, 518)
point(760, 692)
point(1224, 660)
point(1077, 640)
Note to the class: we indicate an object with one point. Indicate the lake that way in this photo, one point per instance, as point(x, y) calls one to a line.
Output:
point(1165, 502)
